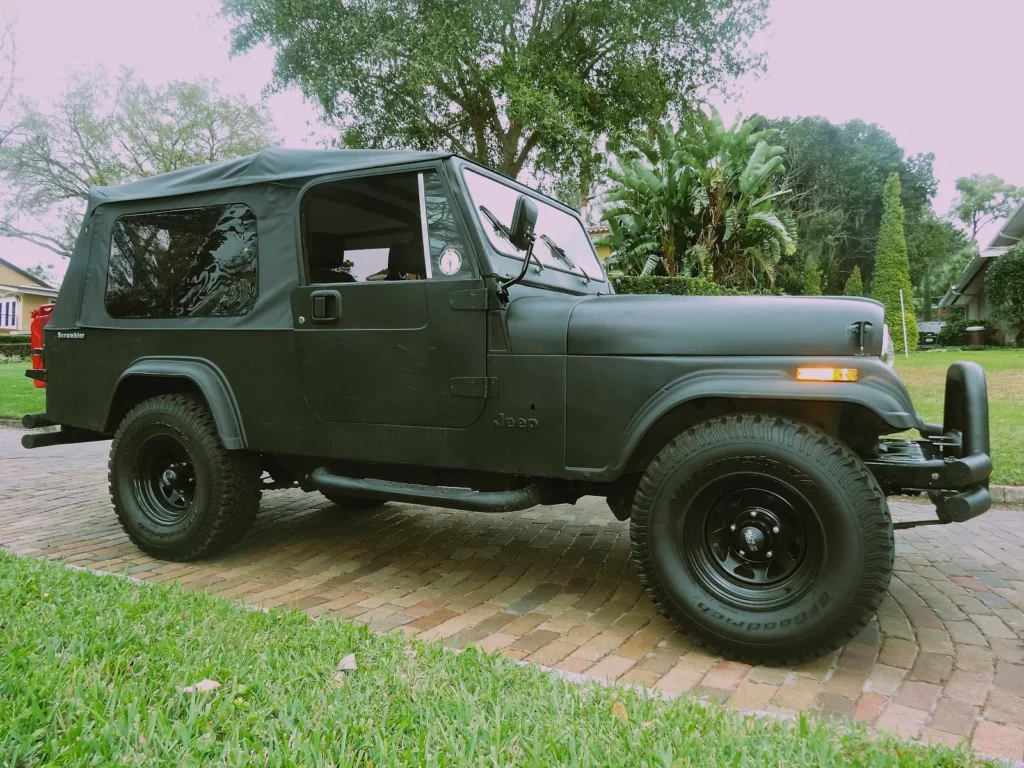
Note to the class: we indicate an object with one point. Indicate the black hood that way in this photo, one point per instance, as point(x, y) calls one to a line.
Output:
point(724, 325)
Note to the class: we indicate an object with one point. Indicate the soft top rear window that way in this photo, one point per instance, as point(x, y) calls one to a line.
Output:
point(193, 262)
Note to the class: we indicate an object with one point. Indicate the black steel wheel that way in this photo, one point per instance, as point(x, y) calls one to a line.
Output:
point(178, 493)
point(164, 478)
point(763, 538)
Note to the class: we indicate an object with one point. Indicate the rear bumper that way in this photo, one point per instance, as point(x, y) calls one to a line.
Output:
point(952, 462)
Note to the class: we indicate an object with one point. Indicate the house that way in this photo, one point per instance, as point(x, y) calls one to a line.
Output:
point(600, 230)
point(969, 291)
point(20, 293)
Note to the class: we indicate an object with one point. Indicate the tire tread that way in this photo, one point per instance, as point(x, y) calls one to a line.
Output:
point(836, 460)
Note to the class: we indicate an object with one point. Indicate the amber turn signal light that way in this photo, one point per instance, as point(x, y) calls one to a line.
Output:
point(826, 374)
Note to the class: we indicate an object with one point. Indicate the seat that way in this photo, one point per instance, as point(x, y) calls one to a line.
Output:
point(406, 259)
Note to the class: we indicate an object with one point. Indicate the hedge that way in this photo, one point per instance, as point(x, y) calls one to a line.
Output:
point(16, 350)
point(14, 339)
point(954, 332)
point(674, 286)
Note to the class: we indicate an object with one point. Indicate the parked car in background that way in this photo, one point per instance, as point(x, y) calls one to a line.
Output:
point(928, 333)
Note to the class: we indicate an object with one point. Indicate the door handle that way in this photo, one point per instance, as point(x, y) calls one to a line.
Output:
point(325, 307)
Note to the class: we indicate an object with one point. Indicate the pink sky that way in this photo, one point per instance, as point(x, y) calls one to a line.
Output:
point(938, 75)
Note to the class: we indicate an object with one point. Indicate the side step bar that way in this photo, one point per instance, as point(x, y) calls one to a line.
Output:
point(451, 498)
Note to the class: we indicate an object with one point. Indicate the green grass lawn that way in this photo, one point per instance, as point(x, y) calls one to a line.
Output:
point(925, 377)
point(92, 670)
point(18, 396)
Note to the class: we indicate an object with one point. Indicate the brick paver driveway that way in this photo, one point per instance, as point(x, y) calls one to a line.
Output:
point(555, 586)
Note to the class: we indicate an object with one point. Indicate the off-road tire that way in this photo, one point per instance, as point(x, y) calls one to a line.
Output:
point(226, 494)
point(353, 503)
point(840, 593)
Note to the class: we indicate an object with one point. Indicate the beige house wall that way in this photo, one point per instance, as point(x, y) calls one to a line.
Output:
point(27, 302)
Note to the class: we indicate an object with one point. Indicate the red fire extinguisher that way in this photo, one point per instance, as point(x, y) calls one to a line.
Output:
point(40, 317)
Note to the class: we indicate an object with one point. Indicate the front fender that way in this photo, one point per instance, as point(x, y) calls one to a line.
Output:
point(207, 378)
point(633, 394)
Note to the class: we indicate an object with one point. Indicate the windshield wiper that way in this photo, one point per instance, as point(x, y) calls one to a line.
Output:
point(559, 253)
point(505, 232)
point(499, 226)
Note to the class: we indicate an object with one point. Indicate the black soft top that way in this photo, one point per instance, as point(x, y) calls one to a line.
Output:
point(270, 165)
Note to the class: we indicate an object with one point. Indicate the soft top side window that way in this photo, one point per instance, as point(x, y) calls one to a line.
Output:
point(381, 228)
point(192, 262)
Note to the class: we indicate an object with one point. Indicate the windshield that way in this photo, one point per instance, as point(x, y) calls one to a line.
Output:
point(562, 243)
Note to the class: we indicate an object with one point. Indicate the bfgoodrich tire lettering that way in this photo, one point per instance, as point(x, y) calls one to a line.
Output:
point(806, 492)
point(178, 493)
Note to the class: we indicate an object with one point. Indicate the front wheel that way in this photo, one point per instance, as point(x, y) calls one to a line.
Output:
point(762, 538)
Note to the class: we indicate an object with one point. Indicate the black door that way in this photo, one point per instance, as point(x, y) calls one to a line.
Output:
point(378, 339)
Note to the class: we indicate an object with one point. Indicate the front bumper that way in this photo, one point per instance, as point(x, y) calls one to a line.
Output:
point(952, 463)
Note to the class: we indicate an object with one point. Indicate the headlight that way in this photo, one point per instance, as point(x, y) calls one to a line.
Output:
point(888, 349)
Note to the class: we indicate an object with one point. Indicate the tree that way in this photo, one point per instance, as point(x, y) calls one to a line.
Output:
point(932, 247)
point(835, 174)
point(983, 199)
point(98, 133)
point(699, 201)
point(8, 71)
point(892, 267)
point(854, 284)
point(504, 83)
point(812, 279)
point(1004, 289)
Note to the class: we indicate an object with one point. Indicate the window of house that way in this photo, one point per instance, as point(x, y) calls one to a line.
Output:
point(382, 228)
point(195, 262)
point(9, 313)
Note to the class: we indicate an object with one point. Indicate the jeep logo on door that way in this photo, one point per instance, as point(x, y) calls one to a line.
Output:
point(510, 422)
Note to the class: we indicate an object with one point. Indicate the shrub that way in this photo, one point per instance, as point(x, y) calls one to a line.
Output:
point(954, 332)
point(812, 279)
point(8, 339)
point(892, 267)
point(1004, 289)
point(16, 351)
point(674, 286)
point(854, 284)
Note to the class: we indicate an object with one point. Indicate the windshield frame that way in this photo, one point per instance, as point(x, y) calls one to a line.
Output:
point(507, 261)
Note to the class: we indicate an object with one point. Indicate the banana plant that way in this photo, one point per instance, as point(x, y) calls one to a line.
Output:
point(700, 200)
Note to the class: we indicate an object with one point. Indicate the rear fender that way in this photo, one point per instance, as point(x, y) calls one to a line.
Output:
point(193, 373)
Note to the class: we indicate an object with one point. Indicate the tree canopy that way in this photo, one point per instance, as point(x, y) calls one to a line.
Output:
point(892, 268)
point(836, 174)
point(983, 198)
point(8, 70)
point(100, 133)
point(507, 84)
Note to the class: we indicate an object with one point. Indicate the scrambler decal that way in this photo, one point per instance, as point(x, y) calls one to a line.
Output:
point(70, 335)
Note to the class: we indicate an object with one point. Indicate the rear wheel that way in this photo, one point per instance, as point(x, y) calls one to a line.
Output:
point(178, 493)
point(763, 538)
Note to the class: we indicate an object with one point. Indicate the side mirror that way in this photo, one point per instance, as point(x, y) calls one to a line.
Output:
point(524, 220)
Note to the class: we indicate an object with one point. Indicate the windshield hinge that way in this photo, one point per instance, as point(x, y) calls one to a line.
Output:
point(474, 299)
point(473, 386)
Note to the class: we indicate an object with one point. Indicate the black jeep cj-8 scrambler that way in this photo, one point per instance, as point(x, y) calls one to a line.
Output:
point(412, 327)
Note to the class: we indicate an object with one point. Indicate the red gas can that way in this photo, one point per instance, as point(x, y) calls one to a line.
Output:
point(40, 317)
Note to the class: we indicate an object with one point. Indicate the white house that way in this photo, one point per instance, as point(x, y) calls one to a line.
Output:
point(969, 290)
